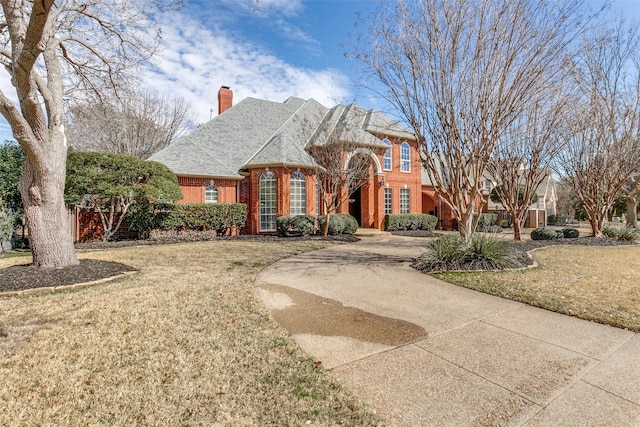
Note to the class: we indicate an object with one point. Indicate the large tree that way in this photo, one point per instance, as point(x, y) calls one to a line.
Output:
point(51, 50)
point(136, 122)
point(460, 73)
point(523, 155)
point(604, 150)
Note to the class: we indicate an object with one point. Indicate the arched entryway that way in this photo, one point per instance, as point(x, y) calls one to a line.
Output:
point(364, 198)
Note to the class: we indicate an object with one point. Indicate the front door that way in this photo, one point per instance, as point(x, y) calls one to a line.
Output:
point(355, 206)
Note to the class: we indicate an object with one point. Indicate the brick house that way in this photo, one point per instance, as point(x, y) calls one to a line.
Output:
point(257, 153)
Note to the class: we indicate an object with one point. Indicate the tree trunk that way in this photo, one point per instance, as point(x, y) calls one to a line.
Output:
point(465, 226)
point(42, 190)
point(517, 229)
point(325, 232)
point(632, 211)
point(596, 227)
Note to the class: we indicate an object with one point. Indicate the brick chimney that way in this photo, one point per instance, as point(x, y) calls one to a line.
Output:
point(225, 99)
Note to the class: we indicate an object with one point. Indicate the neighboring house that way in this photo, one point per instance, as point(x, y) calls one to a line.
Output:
point(538, 211)
point(258, 153)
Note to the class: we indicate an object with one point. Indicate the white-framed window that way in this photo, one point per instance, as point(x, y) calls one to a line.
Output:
point(388, 200)
point(405, 157)
point(386, 160)
point(405, 201)
point(268, 201)
point(298, 191)
point(211, 194)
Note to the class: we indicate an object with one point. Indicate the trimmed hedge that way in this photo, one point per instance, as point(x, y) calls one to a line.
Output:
point(396, 222)
point(545, 234)
point(221, 217)
point(298, 225)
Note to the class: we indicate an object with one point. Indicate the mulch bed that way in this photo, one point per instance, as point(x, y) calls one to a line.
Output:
point(520, 251)
point(21, 277)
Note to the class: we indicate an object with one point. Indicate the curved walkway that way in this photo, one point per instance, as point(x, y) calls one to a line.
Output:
point(423, 352)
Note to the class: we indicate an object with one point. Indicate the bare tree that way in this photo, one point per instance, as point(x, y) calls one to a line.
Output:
point(136, 123)
point(604, 151)
point(342, 151)
point(47, 46)
point(523, 155)
point(631, 190)
point(460, 73)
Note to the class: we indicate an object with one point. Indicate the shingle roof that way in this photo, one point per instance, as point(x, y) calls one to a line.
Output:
point(257, 132)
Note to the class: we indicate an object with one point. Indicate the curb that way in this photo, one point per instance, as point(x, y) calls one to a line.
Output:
point(37, 291)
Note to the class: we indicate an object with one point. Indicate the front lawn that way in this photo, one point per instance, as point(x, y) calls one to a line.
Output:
point(183, 342)
point(594, 283)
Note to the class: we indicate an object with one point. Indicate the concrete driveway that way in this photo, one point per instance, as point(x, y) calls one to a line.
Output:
point(422, 352)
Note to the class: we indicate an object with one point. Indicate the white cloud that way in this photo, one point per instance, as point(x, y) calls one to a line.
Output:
point(198, 59)
point(269, 7)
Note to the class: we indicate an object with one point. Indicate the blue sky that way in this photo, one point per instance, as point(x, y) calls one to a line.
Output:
point(269, 49)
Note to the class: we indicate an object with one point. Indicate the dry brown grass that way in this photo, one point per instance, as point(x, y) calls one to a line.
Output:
point(184, 342)
point(594, 283)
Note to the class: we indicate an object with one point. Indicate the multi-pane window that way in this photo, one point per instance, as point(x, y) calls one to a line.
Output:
point(388, 200)
point(405, 201)
point(298, 191)
point(387, 156)
point(268, 198)
point(405, 157)
point(211, 194)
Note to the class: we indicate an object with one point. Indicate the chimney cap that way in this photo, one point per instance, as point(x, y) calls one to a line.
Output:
point(225, 87)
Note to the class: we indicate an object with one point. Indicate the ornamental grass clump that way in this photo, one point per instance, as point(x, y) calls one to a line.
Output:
point(621, 233)
point(485, 252)
point(482, 252)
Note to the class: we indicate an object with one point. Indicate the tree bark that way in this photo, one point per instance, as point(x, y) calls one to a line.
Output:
point(42, 189)
point(632, 211)
point(517, 229)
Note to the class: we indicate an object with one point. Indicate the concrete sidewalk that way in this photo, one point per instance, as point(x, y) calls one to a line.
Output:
point(422, 352)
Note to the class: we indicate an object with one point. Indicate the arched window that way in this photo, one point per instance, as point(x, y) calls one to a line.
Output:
point(387, 156)
point(405, 157)
point(298, 192)
point(268, 199)
point(211, 194)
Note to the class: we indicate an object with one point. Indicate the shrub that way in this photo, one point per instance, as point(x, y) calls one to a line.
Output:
point(282, 225)
point(220, 217)
point(504, 223)
point(544, 234)
point(350, 223)
point(299, 225)
point(396, 222)
point(485, 221)
point(621, 233)
point(570, 233)
point(336, 224)
point(487, 252)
